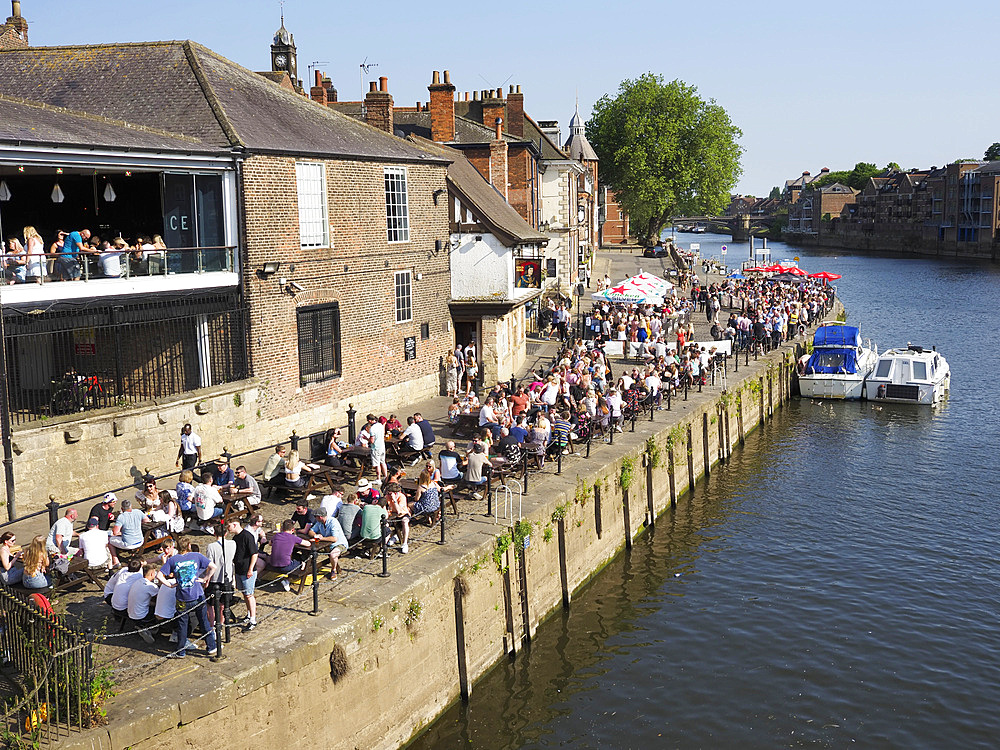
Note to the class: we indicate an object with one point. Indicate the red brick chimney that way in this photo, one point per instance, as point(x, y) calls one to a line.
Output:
point(442, 107)
point(493, 107)
point(331, 92)
point(498, 159)
point(515, 112)
point(378, 106)
point(318, 93)
point(14, 33)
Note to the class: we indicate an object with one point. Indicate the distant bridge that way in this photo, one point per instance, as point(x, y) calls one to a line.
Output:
point(740, 226)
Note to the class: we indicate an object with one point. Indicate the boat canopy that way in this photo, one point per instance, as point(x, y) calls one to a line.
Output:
point(837, 336)
point(842, 361)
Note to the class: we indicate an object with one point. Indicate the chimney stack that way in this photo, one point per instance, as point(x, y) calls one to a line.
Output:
point(17, 24)
point(498, 159)
point(442, 107)
point(378, 105)
point(515, 112)
point(318, 92)
point(493, 107)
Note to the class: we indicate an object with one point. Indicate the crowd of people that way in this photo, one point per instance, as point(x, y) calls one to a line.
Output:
point(72, 254)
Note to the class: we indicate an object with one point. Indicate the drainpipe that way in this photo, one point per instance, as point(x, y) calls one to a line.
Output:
point(5, 434)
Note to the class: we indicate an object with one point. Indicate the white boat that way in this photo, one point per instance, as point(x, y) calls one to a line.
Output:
point(913, 375)
point(838, 365)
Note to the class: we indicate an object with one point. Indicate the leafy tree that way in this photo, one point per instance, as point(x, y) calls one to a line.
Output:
point(992, 153)
point(665, 151)
point(892, 167)
point(860, 174)
point(828, 179)
point(775, 192)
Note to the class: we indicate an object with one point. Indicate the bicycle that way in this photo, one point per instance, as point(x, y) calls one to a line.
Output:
point(74, 393)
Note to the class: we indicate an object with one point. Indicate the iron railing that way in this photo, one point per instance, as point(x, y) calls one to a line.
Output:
point(74, 360)
point(51, 669)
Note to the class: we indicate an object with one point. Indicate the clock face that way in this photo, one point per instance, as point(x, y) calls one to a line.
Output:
point(280, 60)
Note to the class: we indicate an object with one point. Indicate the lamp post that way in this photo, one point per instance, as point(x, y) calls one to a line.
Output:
point(579, 296)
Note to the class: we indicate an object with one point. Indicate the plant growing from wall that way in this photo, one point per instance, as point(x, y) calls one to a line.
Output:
point(500, 546)
point(522, 530)
point(583, 491)
point(547, 533)
point(653, 452)
point(377, 622)
point(627, 473)
point(413, 611)
point(560, 512)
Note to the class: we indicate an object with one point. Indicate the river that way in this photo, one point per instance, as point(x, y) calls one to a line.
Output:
point(835, 585)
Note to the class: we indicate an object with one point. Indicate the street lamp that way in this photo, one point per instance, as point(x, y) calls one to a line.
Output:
point(579, 296)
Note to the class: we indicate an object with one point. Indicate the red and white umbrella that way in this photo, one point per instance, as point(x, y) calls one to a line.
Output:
point(795, 271)
point(825, 275)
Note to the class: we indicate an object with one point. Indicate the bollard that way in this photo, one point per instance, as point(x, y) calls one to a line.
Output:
point(713, 377)
point(228, 455)
point(611, 431)
point(442, 520)
point(652, 406)
point(524, 489)
point(701, 381)
point(315, 574)
point(747, 354)
point(737, 360)
point(669, 395)
point(294, 440)
point(513, 384)
point(352, 429)
point(217, 604)
point(489, 503)
point(590, 436)
point(559, 459)
point(686, 384)
point(385, 549)
point(53, 506)
point(633, 420)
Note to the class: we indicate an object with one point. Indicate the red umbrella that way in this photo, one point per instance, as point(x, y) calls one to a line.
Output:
point(795, 271)
point(775, 268)
point(755, 269)
point(825, 275)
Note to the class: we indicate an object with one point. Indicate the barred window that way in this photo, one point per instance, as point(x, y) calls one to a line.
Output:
point(311, 181)
point(319, 342)
point(396, 211)
point(404, 297)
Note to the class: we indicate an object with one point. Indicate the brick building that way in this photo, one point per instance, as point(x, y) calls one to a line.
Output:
point(301, 266)
point(14, 32)
point(614, 224)
point(818, 205)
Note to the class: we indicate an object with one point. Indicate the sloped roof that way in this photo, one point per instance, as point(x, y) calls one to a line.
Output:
point(579, 147)
point(836, 187)
point(29, 122)
point(467, 132)
point(184, 88)
point(990, 167)
point(549, 149)
point(479, 195)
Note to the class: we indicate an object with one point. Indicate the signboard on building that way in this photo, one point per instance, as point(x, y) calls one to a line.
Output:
point(84, 342)
point(409, 348)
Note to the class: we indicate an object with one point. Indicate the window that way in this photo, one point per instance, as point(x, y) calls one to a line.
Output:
point(319, 342)
point(311, 181)
point(919, 370)
point(396, 212)
point(884, 365)
point(404, 297)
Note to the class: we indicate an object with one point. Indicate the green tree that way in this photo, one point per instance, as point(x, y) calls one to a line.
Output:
point(665, 152)
point(892, 167)
point(992, 153)
point(775, 192)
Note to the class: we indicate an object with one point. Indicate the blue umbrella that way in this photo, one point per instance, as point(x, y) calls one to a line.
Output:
point(736, 275)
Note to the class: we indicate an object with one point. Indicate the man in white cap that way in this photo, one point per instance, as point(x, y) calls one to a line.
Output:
point(104, 511)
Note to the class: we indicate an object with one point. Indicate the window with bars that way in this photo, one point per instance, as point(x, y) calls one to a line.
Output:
point(311, 182)
point(404, 297)
point(319, 342)
point(396, 210)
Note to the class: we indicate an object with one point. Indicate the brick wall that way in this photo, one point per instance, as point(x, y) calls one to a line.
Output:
point(357, 271)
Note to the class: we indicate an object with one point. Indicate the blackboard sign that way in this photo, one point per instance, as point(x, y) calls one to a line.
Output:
point(409, 348)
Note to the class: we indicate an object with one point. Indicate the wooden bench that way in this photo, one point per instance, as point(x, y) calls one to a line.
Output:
point(465, 425)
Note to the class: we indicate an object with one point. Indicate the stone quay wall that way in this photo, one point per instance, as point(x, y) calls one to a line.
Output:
point(383, 672)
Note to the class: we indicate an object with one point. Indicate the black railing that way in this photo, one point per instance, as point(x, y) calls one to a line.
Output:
point(51, 668)
point(65, 361)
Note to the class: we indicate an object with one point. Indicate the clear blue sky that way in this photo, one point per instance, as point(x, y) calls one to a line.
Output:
point(810, 85)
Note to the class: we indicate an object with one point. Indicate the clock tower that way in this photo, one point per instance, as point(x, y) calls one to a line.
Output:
point(283, 53)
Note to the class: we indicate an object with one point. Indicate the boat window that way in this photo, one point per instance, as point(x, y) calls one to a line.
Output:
point(919, 370)
point(884, 365)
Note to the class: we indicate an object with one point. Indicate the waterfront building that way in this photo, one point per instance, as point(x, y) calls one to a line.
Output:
point(816, 206)
point(299, 272)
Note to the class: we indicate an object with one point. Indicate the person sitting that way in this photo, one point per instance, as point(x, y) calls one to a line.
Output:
point(184, 490)
point(427, 433)
point(399, 511)
point(61, 536)
point(451, 463)
point(279, 559)
point(127, 532)
point(366, 492)
point(334, 448)
point(94, 545)
point(393, 426)
point(413, 436)
point(11, 567)
point(509, 447)
point(372, 514)
point(246, 487)
point(328, 529)
point(104, 511)
point(148, 497)
point(120, 584)
point(428, 502)
point(223, 474)
point(302, 515)
point(560, 433)
point(207, 501)
point(140, 597)
point(294, 469)
point(333, 502)
point(349, 518)
point(476, 471)
point(274, 468)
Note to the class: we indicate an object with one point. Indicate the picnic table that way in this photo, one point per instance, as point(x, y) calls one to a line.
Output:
point(466, 425)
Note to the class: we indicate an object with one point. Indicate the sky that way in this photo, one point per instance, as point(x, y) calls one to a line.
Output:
point(810, 85)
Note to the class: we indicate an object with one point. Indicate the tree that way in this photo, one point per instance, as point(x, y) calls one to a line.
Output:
point(892, 167)
point(665, 152)
point(775, 192)
point(992, 153)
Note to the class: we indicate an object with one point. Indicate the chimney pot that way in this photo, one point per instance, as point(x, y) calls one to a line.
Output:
point(519, 88)
point(498, 128)
point(512, 88)
point(383, 83)
point(372, 86)
point(436, 78)
point(418, 106)
point(319, 78)
point(447, 77)
point(466, 96)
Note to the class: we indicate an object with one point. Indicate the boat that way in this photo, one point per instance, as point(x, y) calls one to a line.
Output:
point(699, 229)
point(838, 365)
point(913, 375)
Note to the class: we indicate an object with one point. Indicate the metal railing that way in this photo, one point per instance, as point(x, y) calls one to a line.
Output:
point(51, 667)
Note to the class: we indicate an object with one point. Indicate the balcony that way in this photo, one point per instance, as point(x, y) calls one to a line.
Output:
point(115, 272)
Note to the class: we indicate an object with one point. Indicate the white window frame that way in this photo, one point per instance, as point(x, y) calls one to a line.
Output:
point(397, 209)
point(403, 295)
point(314, 227)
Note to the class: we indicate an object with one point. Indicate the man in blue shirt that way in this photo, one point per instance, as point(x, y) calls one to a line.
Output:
point(518, 431)
point(189, 572)
point(328, 529)
point(68, 262)
point(427, 432)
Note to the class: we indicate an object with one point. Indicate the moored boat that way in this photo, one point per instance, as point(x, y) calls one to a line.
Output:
point(838, 365)
point(913, 375)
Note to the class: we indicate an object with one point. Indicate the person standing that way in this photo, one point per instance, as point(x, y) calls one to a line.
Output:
point(189, 454)
point(191, 571)
point(245, 569)
point(376, 445)
point(68, 263)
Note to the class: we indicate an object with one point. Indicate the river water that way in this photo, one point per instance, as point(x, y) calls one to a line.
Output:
point(834, 586)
